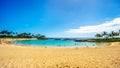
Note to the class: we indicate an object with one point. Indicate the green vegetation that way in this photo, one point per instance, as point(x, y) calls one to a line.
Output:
point(106, 40)
point(108, 37)
point(10, 34)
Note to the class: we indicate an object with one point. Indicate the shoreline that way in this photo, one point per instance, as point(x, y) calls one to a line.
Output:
point(12, 56)
point(8, 41)
point(97, 45)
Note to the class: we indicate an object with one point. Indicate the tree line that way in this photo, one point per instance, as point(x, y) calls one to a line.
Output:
point(106, 35)
point(10, 34)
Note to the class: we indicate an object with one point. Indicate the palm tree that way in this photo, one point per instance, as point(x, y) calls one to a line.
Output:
point(42, 37)
point(9, 33)
point(29, 35)
point(113, 34)
point(25, 35)
point(119, 32)
point(33, 36)
point(4, 33)
point(105, 34)
point(98, 35)
point(110, 35)
point(37, 35)
point(116, 33)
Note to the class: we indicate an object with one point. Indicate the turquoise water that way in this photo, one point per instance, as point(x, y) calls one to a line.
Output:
point(54, 43)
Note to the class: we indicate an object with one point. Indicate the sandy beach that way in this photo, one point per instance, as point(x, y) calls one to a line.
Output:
point(13, 56)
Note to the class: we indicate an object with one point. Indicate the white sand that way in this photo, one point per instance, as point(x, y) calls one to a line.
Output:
point(12, 56)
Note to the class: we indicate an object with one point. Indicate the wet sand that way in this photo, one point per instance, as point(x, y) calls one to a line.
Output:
point(13, 56)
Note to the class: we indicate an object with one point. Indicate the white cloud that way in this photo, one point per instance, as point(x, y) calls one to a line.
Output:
point(106, 26)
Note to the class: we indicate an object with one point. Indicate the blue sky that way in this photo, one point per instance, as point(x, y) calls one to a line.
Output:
point(59, 18)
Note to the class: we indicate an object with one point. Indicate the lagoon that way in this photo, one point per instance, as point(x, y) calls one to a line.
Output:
point(55, 43)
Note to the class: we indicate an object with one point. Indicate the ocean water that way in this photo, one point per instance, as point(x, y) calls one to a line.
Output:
point(54, 43)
